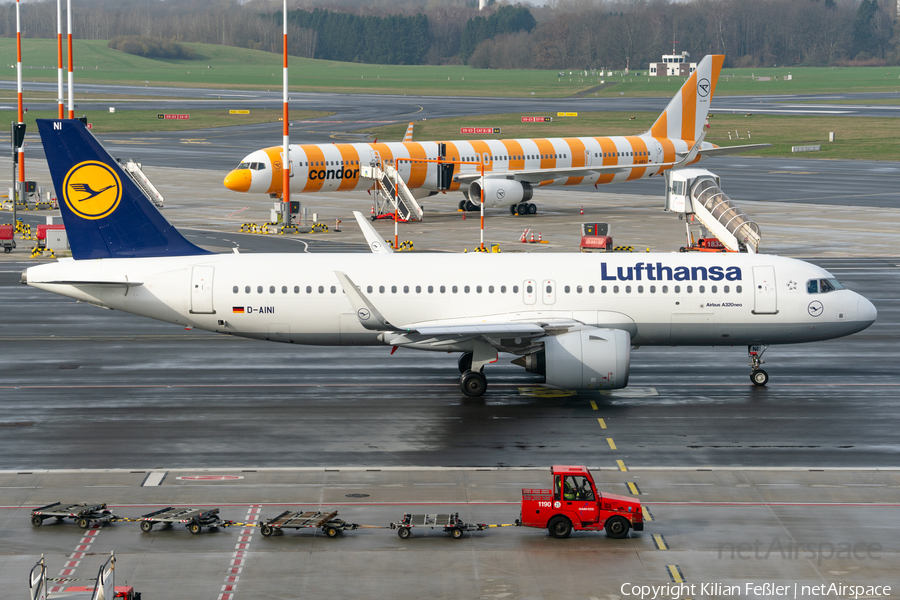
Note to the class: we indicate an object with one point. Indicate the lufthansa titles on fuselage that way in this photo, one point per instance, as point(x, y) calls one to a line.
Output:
point(659, 272)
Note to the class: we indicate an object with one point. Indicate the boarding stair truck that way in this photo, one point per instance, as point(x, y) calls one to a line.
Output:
point(104, 587)
point(697, 194)
point(574, 503)
point(387, 198)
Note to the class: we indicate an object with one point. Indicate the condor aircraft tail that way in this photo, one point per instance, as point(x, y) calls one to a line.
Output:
point(105, 214)
point(685, 115)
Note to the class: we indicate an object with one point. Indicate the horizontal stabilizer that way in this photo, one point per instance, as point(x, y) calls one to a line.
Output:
point(726, 150)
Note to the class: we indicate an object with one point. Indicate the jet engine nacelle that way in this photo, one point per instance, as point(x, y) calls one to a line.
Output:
point(500, 192)
point(591, 359)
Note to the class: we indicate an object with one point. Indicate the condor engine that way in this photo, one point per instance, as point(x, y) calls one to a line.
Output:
point(592, 359)
point(500, 192)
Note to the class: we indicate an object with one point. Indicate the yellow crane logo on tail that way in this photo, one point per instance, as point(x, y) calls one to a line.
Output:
point(92, 190)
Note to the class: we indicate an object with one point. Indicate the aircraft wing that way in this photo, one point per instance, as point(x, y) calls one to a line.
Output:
point(538, 175)
point(726, 150)
point(372, 238)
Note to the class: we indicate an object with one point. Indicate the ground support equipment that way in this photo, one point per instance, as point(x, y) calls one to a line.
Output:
point(194, 519)
point(449, 523)
point(330, 525)
point(83, 514)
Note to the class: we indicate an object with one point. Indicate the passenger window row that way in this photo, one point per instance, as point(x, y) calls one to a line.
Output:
point(833, 284)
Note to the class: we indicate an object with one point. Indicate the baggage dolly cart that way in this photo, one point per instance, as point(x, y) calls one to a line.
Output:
point(327, 522)
point(450, 523)
point(7, 238)
point(194, 519)
point(83, 514)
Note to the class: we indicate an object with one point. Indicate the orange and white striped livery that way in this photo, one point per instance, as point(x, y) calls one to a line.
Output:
point(513, 167)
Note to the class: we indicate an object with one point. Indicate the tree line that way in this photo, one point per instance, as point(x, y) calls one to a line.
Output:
point(561, 34)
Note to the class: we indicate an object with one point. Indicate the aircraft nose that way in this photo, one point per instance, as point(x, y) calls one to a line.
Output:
point(238, 180)
point(866, 311)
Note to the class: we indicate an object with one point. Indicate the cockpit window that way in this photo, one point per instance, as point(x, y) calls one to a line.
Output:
point(822, 286)
point(244, 165)
point(253, 166)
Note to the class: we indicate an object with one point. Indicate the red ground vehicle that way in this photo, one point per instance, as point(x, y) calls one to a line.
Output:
point(122, 591)
point(7, 238)
point(575, 503)
point(596, 236)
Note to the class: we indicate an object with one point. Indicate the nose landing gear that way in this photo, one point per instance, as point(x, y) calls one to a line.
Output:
point(757, 375)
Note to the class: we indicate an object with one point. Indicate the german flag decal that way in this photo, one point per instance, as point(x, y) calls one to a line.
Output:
point(238, 310)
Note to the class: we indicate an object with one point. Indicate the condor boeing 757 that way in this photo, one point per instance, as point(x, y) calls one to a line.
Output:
point(513, 168)
point(571, 317)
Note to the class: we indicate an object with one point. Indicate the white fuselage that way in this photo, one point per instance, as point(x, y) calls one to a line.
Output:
point(660, 299)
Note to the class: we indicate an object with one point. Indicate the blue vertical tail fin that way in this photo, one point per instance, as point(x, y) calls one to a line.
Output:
point(105, 214)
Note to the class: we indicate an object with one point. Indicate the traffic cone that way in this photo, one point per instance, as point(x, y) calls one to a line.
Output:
point(464, 215)
point(532, 237)
point(540, 238)
point(373, 209)
point(582, 209)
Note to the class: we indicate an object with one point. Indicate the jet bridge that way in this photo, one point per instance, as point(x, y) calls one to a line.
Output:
point(697, 193)
point(386, 176)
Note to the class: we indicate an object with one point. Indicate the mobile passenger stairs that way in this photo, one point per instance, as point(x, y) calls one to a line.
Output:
point(696, 193)
point(137, 176)
point(387, 199)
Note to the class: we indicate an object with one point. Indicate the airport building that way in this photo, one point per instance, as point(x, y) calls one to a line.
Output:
point(673, 65)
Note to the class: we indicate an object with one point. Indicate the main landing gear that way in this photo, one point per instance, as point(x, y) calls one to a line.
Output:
point(757, 375)
point(472, 383)
point(523, 208)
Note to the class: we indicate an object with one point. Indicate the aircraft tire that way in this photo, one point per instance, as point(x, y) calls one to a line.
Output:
point(532, 208)
point(759, 378)
point(473, 384)
point(513, 209)
point(462, 204)
point(465, 362)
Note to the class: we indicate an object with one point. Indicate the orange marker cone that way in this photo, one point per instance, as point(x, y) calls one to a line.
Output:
point(582, 209)
point(532, 237)
point(540, 238)
point(373, 209)
point(464, 215)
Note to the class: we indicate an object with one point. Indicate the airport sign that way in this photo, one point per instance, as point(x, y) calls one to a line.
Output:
point(173, 117)
point(537, 119)
point(238, 112)
point(477, 130)
point(567, 114)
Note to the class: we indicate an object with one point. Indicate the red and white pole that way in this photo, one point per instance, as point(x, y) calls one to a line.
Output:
point(482, 206)
point(71, 80)
point(21, 148)
point(286, 160)
point(60, 97)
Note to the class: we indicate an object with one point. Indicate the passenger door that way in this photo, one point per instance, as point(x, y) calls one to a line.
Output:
point(765, 300)
point(202, 291)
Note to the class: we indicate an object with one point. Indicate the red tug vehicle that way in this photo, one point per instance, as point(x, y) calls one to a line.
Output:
point(575, 503)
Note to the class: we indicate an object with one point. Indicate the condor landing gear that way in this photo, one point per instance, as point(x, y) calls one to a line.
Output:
point(757, 375)
point(523, 208)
